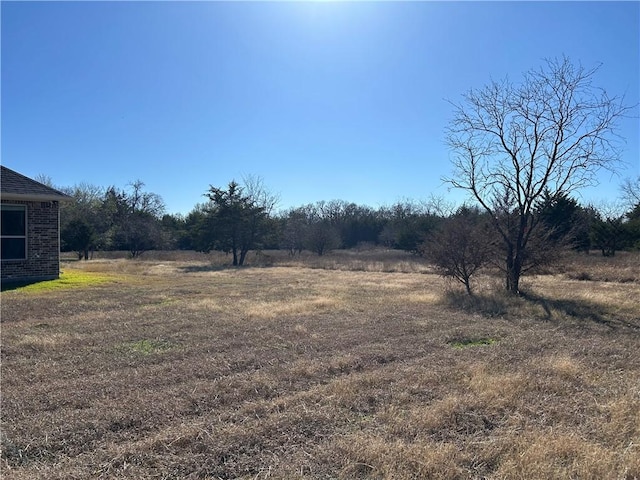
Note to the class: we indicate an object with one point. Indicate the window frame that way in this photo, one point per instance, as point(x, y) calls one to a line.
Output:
point(24, 237)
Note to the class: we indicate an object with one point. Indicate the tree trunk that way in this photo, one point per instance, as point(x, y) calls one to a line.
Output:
point(513, 282)
point(243, 254)
point(467, 285)
point(235, 257)
point(514, 269)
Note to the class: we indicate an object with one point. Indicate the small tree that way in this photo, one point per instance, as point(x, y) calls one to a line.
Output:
point(82, 225)
point(512, 143)
point(321, 229)
point(608, 234)
point(140, 232)
point(236, 222)
point(78, 235)
point(134, 218)
point(460, 247)
point(322, 237)
point(294, 231)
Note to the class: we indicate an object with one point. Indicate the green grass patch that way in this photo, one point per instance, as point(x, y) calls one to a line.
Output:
point(67, 279)
point(147, 346)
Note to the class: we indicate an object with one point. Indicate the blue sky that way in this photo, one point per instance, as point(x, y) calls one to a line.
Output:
point(323, 100)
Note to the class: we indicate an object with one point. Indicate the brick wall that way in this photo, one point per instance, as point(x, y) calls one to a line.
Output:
point(43, 244)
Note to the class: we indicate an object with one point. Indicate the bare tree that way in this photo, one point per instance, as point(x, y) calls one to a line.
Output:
point(553, 131)
point(631, 192)
point(294, 231)
point(322, 237)
point(145, 202)
point(460, 247)
point(320, 233)
point(255, 188)
point(45, 179)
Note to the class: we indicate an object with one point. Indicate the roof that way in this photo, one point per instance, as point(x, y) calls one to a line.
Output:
point(14, 186)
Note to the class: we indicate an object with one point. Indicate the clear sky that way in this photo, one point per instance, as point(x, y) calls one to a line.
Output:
point(323, 100)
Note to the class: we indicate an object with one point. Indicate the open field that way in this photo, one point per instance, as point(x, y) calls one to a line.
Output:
point(352, 366)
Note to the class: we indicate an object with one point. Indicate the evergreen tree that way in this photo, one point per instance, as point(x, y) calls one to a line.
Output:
point(235, 222)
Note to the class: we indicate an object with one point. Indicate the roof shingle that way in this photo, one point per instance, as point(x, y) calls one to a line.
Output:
point(14, 186)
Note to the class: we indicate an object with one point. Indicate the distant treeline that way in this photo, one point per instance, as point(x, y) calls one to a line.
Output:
point(239, 218)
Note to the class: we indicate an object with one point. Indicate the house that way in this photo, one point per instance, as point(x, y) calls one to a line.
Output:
point(29, 230)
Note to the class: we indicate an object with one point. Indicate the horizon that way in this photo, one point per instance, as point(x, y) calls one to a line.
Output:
point(323, 101)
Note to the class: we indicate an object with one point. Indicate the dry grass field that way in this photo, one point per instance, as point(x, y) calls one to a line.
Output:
point(357, 365)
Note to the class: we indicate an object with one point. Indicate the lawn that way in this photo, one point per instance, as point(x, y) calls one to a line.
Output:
point(352, 366)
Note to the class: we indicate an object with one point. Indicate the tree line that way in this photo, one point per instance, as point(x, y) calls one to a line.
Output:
point(238, 218)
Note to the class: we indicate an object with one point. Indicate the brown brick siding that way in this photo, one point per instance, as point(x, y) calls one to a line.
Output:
point(43, 244)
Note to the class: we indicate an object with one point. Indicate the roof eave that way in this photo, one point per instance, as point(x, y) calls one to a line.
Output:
point(23, 197)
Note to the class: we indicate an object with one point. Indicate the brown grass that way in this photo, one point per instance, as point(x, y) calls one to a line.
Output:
point(359, 367)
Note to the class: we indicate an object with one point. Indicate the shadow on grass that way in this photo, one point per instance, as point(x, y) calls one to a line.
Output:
point(219, 267)
point(205, 268)
point(579, 310)
point(8, 286)
point(497, 304)
point(504, 305)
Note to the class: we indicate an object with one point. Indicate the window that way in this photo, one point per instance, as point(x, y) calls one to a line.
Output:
point(13, 232)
